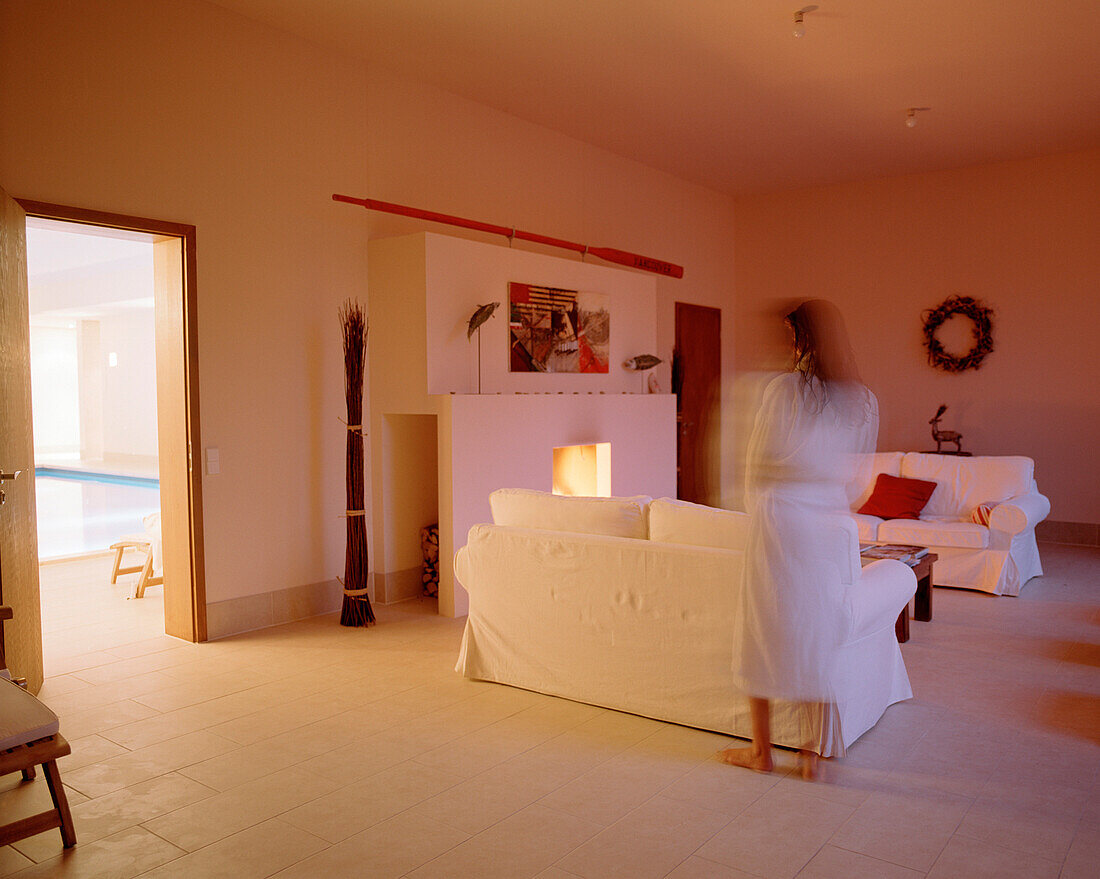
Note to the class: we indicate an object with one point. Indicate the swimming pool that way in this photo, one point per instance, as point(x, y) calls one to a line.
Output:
point(80, 511)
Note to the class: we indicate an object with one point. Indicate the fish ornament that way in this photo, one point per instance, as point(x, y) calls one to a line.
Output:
point(483, 313)
point(642, 362)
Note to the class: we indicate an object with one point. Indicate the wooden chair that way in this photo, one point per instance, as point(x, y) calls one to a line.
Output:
point(29, 736)
point(146, 568)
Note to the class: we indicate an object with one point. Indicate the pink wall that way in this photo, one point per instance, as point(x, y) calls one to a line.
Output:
point(186, 112)
point(1022, 236)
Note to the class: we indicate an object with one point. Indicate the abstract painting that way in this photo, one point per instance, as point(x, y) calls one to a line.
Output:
point(555, 330)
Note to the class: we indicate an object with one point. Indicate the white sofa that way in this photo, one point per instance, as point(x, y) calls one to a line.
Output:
point(628, 604)
point(999, 558)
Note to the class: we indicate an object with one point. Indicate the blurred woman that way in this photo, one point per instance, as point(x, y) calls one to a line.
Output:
point(791, 613)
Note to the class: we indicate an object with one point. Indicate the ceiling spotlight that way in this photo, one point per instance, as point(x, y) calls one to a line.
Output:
point(799, 27)
point(911, 116)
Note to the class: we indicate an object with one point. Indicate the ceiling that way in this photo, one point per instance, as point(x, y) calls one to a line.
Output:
point(721, 93)
point(78, 272)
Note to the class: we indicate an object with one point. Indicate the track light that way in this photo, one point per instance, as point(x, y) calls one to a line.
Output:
point(911, 116)
point(799, 26)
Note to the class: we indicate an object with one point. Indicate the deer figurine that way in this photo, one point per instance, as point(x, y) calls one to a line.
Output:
point(944, 436)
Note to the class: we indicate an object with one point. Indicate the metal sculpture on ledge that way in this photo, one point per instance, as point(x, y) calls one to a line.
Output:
point(945, 436)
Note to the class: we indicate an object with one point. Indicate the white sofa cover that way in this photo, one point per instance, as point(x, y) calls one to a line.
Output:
point(999, 558)
point(645, 625)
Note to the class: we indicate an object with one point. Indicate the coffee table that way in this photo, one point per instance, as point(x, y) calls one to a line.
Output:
point(922, 600)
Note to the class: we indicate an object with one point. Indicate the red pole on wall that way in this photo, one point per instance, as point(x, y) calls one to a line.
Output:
point(608, 254)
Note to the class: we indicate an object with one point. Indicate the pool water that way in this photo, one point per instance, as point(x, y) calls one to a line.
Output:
point(81, 512)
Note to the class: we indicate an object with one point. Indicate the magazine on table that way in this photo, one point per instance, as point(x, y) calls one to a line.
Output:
point(900, 551)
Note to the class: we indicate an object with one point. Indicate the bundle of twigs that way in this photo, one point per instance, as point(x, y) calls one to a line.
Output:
point(356, 610)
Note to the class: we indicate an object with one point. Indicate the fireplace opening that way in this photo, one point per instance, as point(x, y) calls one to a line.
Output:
point(583, 471)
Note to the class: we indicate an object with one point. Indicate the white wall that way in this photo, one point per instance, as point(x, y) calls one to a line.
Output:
point(105, 286)
point(186, 112)
point(461, 275)
point(1020, 236)
point(87, 406)
point(55, 399)
point(130, 387)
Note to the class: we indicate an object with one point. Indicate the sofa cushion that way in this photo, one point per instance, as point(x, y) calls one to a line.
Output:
point(867, 468)
point(867, 527)
point(934, 532)
point(609, 516)
point(963, 483)
point(22, 717)
point(897, 498)
point(673, 521)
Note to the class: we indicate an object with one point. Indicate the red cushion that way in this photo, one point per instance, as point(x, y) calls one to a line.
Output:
point(897, 498)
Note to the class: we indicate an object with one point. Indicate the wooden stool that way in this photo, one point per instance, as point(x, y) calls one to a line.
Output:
point(146, 569)
point(29, 736)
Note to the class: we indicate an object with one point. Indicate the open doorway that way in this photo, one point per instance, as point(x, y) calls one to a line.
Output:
point(697, 384)
point(114, 399)
point(92, 322)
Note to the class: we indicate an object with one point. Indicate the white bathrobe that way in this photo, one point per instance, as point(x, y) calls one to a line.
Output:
point(792, 613)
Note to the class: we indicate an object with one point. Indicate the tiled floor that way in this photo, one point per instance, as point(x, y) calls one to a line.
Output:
point(309, 750)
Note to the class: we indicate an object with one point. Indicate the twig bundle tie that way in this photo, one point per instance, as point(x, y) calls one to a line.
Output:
point(356, 609)
point(353, 593)
point(354, 428)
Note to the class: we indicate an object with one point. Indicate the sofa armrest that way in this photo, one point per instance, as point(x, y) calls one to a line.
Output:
point(878, 596)
point(1019, 513)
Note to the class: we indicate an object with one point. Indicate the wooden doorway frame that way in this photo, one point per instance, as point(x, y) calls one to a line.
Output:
point(188, 621)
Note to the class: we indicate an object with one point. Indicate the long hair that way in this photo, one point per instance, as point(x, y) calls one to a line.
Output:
point(822, 353)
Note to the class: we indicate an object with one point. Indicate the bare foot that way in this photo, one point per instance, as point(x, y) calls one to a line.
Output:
point(807, 762)
point(750, 758)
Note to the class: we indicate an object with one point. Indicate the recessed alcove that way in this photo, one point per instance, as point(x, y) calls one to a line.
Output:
point(410, 482)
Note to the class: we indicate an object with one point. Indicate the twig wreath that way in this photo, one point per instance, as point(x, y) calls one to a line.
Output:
point(978, 314)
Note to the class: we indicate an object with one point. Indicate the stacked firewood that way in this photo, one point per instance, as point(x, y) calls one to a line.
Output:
point(429, 548)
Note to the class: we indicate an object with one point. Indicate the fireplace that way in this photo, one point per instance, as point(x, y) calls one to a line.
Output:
point(583, 471)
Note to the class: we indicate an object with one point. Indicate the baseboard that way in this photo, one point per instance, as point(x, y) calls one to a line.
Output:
point(393, 586)
point(1078, 533)
point(249, 612)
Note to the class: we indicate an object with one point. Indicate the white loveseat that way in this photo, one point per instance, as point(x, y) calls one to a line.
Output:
point(999, 558)
point(628, 604)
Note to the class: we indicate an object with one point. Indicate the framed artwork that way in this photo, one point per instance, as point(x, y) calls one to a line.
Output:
point(555, 330)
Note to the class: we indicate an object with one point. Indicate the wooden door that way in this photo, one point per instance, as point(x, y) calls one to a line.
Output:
point(697, 383)
point(183, 615)
point(18, 525)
